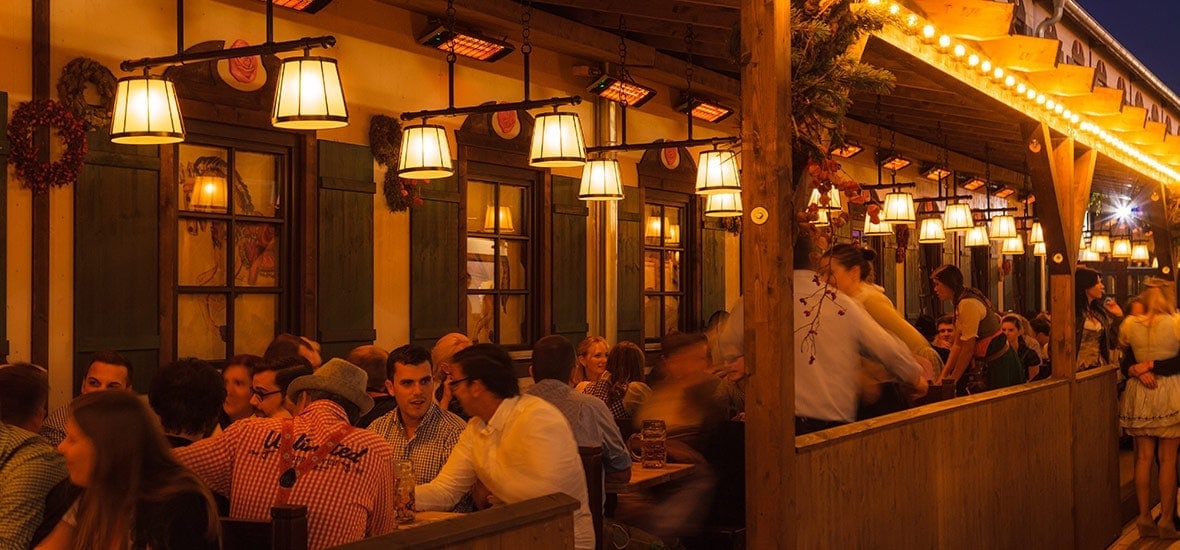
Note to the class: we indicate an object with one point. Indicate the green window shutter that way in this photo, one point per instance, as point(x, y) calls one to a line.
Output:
point(4, 216)
point(630, 269)
point(435, 273)
point(712, 269)
point(345, 265)
point(116, 256)
point(568, 257)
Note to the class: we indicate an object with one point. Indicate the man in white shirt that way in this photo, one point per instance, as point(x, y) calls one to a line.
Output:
point(518, 446)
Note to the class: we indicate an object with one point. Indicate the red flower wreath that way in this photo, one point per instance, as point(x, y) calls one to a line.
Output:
point(37, 175)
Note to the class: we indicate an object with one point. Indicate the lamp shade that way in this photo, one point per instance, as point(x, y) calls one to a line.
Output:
point(899, 208)
point(504, 213)
point(1036, 234)
point(930, 232)
point(557, 141)
point(146, 112)
point(717, 172)
point(309, 95)
point(1120, 248)
point(601, 181)
point(425, 153)
point(1139, 252)
point(726, 205)
point(1100, 243)
point(209, 194)
point(822, 220)
point(877, 229)
point(1002, 227)
point(1088, 255)
point(957, 217)
point(833, 199)
point(1014, 246)
point(977, 236)
point(1039, 249)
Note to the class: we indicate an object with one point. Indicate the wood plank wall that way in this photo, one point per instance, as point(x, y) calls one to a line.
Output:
point(990, 471)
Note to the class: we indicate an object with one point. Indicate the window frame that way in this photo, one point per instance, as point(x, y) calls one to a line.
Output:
point(689, 292)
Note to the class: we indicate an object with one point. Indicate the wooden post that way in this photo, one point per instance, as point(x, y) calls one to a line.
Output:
point(767, 244)
point(39, 327)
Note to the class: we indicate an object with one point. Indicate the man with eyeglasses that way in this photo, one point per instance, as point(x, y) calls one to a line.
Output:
point(269, 387)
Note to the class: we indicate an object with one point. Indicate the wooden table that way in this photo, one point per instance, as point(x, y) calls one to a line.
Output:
point(643, 478)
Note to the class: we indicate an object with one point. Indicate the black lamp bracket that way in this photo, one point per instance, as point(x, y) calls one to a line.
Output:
point(664, 144)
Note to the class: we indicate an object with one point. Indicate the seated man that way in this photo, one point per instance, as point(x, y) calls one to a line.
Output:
point(268, 388)
point(344, 475)
point(592, 422)
point(519, 446)
point(373, 359)
point(29, 467)
point(187, 395)
point(418, 429)
point(108, 370)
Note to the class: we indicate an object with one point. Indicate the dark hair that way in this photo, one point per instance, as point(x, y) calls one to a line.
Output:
point(288, 370)
point(850, 256)
point(718, 317)
point(925, 326)
point(132, 464)
point(409, 354)
point(950, 276)
point(945, 319)
point(677, 342)
point(111, 357)
point(625, 363)
point(248, 360)
point(285, 345)
point(350, 409)
point(491, 365)
point(187, 395)
point(1039, 326)
point(553, 358)
point(1084, 279)
point(370, 359)
point(24, 391)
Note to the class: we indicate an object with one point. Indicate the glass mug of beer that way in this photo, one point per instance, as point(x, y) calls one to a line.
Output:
point(652, 450)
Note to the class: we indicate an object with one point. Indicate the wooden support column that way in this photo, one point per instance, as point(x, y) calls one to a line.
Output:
point(39, 304)
point(767, 244)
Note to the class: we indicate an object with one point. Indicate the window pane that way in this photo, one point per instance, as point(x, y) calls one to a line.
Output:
point(512, 315)
point(671, 314)
point(200, 326)
point(256, 191)
point(202, 178)
point(652, 225)
point(481, 317)
point(513, 265)
point(671, 226)
point(652, 318)
point(513, 216)
point(255, 318)
point(672, 271)
point(481, 214)
point(256, 255)
point(200, 256)
point(481, 263)
point(651, 270)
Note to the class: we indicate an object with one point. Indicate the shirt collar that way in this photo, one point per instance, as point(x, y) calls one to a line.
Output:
point(324, 407)
point(431, 415)
point(501, 415)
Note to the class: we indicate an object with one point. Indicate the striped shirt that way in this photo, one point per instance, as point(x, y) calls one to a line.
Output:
point(431, 445)
point(29, 468)
point(349, 496)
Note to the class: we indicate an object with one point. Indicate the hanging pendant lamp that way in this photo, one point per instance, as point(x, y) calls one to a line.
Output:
point(833, 199)
point(1100, 243)
point(1039, 249)
point(724, 205)
point(977, 236)
point(877, 229)
point(601, 181)
point(557, 140)
point(425, 153)
point(1036, 234)
point(1139, 252)
point(1002, 227)
point(309, 95)
point(146, 112)
point(1089, 256)
point(957, 218)
point(822, 220)
point(931, 232)
point(717, 172)
point(1013, 246)
point(1120, 248)
point(899, 208)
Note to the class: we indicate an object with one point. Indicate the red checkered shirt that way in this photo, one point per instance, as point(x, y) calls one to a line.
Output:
point(349, 496)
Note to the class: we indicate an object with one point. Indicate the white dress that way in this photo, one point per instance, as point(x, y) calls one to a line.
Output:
point(1144, 411)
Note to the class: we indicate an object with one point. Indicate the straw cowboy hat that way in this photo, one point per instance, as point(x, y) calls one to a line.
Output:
point(338, 377)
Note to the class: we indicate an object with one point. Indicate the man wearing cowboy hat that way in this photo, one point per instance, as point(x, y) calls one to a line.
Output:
point(343, 475)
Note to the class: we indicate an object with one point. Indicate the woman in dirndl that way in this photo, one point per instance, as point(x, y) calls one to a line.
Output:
point(980, 357)
point(1149, 409)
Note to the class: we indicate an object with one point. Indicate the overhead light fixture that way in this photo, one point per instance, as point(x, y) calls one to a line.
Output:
point(1139, 252)
point(1002, 227)
point(1100, 242)
point(1004, 192)
point(899, 208)
point(1013, 246)
point(557, 140)
point(305, 6)
point(977, 236)
point(209, 194)
point(601, 181)
point(1039, 249)
point(146, 111)
point(621, 90)
point(1088, 255)
point(425, 153)
point(833, 199)
point(822, 219)
point(1036, 234)
point(1120, 248)
point(957, 217)
point(703, 109)
point(934, 172)
point(930, 232)
point(501, 215)
point(717, 172)
point(309, 95)
point(877, 229)
point(890, 160)
point(849, 150)
point(723, 205)
point(467, 43)
point(973, 183)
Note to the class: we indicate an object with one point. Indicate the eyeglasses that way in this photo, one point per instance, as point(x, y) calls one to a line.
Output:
point(263, 394)
point(453, 383)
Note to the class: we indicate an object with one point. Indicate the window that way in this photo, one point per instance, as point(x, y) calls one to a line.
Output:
point(230, 247)
point(500, 266)
point(663, 268)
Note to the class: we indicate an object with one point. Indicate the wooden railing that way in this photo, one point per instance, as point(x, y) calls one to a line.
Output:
point(543, 522)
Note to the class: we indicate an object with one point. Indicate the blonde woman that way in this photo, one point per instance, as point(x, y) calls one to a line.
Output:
point(592, 353)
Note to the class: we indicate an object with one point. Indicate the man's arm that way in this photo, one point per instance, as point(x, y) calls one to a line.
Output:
point(453, 481)
point(212, 459)
point(26, 479)
point(616, 457)
point(877, 343)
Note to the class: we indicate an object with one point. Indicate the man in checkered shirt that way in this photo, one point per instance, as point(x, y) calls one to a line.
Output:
point(29, 467)
point(418, 429)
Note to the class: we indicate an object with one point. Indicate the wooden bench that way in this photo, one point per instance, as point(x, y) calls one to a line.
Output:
point(286, 530)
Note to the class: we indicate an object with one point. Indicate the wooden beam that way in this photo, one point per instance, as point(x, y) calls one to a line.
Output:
point(974, 19)
point(39, 327)
point(669, 10)
point(767, 246)
point(1065, 80)
point(1022, 53)
point(866, 133)
point(702, 36)
point(569, 37)
point(1131, 118)
point(1152, 134)
point(1102, 102)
